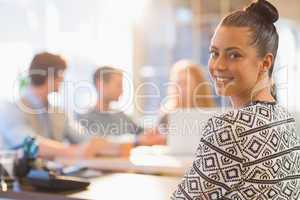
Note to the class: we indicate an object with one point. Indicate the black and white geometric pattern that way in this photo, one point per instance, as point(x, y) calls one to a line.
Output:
point(251, 153)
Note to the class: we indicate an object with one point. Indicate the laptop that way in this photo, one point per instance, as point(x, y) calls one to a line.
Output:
point(185, 129)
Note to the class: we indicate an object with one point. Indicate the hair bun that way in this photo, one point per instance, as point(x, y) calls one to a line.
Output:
point(264, 9)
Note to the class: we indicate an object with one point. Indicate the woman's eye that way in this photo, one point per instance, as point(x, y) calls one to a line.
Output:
point(213, 54)
point(233, 56)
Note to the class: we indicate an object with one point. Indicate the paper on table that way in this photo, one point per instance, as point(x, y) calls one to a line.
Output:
point(149, 160)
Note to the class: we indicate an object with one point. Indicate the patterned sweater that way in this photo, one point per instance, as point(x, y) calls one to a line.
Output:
point(246, 154)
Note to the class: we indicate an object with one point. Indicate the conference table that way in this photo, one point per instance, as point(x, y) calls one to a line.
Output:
point(129, 186)
point(154, 175)
point(113, 186)
point(143, 176)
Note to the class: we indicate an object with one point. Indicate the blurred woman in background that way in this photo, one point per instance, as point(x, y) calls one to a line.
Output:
point(187, 88)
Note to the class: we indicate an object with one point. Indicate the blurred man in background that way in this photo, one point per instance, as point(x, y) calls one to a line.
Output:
point(106, 122)
point(33, 116)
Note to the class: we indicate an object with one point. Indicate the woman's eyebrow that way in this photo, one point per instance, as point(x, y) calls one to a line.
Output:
point(232, 48)
point(227, 49)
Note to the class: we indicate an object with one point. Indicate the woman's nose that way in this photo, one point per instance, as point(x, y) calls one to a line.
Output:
point(220, 64)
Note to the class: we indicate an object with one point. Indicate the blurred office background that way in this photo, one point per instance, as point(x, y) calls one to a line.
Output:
point(142, 37)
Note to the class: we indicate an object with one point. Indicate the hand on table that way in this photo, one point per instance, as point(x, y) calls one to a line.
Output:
point(151, 137)
point(100, 147)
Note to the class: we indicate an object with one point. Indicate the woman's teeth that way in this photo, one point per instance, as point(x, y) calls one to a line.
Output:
point(223, 79)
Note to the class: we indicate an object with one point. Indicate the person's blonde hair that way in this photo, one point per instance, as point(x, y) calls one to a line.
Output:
point(203, 89)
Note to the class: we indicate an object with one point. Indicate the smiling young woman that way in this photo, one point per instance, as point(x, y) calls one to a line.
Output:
point(252, 151)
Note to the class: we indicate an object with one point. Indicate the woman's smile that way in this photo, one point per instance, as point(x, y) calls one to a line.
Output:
point(221, 80)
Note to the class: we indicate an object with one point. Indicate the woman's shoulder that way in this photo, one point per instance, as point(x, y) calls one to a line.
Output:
point(264, 111)
point(248, 117)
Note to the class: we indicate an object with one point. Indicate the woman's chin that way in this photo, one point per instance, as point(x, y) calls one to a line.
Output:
point(222, 92)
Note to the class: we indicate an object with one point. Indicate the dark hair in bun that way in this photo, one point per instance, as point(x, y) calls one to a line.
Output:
point(265, 10)
point(259, 17)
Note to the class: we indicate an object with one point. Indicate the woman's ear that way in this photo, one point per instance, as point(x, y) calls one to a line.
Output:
point(267, 63)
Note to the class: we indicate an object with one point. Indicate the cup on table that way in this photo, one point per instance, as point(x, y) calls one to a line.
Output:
point(122, 144)
point(125, 149)
point(7, 168)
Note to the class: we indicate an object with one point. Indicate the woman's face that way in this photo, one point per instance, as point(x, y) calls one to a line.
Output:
point(233, 64)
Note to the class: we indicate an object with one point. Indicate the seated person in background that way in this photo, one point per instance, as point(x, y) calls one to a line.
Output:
point(188, 88)
point(252, 151)
point(32, 115)
point(102, 120)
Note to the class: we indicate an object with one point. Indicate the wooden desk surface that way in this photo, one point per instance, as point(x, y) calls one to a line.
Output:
point(129, 186)
point(145, 160)
point(108, 187)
